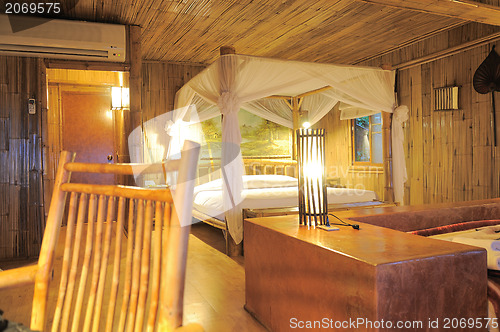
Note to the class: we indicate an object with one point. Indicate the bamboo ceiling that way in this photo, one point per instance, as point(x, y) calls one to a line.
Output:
point(338, 31)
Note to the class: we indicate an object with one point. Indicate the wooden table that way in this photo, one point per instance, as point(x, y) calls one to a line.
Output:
point(295, 275)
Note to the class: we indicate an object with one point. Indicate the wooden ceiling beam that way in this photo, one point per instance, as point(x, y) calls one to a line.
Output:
point(467, 10)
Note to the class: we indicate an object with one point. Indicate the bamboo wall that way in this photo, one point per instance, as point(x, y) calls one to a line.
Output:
point(160, 82)
point(21, 198)
point(450, 155)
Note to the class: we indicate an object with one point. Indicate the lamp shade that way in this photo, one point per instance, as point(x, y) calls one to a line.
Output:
point(313, 205)
point(120, 98)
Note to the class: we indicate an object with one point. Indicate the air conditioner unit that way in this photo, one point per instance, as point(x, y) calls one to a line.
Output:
point(62, 39)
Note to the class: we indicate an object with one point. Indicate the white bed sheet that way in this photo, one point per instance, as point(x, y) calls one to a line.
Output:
point(208, 197)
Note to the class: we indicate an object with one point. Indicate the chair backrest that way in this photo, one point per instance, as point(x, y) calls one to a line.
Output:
point(124, 257)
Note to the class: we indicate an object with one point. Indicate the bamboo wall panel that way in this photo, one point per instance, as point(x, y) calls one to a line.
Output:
point(21, 199)
point(450, 155)
point(161, 81)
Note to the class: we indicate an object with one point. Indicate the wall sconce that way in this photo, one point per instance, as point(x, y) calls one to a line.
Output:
point(120, 98)
point(313, 205)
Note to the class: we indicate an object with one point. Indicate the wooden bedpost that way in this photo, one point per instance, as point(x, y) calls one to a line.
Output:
point(227, 50)
point(232, 249)
point(387, 156)
point(387, 150)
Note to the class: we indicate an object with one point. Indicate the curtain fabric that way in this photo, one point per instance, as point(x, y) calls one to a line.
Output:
point(239, 81)
point(231, 160)
point(175, 127)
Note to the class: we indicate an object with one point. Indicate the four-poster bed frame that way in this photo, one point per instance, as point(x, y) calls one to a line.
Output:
point(378, 83)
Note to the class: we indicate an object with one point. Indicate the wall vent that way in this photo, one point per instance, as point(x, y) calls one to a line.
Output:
point(446, 99)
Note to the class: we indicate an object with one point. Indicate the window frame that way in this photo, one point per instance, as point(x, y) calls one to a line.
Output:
point(353, 143)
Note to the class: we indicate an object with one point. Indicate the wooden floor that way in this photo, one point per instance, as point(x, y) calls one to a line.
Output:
point(214, 293)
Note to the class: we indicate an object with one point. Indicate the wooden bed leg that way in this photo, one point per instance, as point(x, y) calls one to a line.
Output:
point(233, 249)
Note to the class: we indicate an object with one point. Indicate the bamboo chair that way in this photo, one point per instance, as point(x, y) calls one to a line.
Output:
point(105, 286)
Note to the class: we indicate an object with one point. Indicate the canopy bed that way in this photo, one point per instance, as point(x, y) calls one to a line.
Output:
point(275, 90)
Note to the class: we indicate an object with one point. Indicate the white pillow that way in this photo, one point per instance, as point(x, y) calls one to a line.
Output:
point(268, 181)
point(253, 182)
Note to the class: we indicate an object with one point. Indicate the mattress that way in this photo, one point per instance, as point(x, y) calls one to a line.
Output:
point(269, 191)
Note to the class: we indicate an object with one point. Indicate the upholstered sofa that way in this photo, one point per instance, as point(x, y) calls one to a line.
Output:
point(437, 219)
point(413, 218)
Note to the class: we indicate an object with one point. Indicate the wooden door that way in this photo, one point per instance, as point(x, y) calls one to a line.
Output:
point(88, 129)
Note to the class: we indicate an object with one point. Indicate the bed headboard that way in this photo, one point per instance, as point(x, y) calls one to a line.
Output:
point(209, 170)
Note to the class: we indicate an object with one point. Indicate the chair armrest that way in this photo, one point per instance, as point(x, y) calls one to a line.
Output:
point(191, 327)
point(21, 276)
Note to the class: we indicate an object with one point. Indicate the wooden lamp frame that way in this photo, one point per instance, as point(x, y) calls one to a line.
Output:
point(313, 204)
